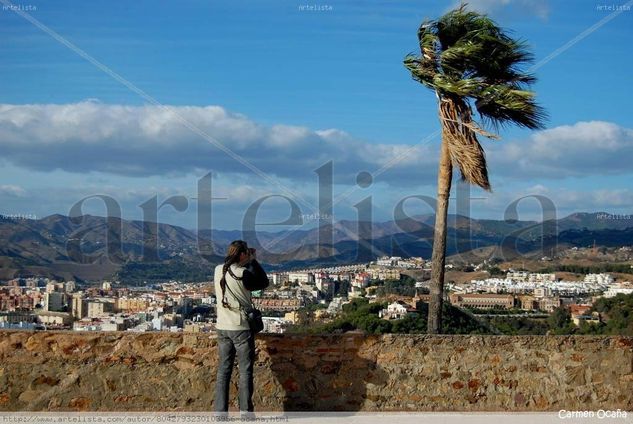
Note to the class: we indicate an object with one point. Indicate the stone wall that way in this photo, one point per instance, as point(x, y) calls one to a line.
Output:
point(119, 371)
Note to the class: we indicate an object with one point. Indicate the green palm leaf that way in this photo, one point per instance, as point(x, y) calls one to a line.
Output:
point(466, 57)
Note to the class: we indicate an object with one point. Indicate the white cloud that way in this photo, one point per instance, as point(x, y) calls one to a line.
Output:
point(582, 149)
point(149, 140)
point(12, 190)
point(142, 141)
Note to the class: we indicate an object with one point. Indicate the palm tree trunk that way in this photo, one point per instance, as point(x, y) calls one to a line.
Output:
point(444, 177)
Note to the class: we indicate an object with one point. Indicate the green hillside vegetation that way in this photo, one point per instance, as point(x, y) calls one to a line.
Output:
point(362, 315)
point(403, 287)
point(617, 314)
point(519, 326)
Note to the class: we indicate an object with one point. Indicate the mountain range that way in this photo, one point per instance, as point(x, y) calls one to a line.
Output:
point(92, 248)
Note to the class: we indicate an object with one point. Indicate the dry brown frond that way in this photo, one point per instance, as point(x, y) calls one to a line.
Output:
point(459, 131)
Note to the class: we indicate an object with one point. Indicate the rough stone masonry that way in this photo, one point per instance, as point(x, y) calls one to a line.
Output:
point(160, 371)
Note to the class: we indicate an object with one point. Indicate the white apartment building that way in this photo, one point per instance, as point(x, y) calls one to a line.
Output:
point(335, 306)
point(530, 277)
point(279, 279)
point(542, 292)
point(599, 278)
point(301, 277)
point(361, 280)
point(388, 261)
point(319, 277)
point(274, 325)
point(395, 310)
point(97, 308)
point(615, 289)
point(54, 301)
point(325, 286)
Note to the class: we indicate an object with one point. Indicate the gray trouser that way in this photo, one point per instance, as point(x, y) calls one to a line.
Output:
point(231, 342)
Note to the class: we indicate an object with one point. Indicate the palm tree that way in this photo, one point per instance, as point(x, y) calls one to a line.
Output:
point(471, 64)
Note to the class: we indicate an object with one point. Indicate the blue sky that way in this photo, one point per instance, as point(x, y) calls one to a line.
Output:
point(287, 90)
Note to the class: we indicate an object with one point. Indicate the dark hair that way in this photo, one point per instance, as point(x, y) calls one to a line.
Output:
point(233, 253)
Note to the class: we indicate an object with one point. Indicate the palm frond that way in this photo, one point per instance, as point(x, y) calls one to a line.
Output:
point(419, 71)
point(424, 67)
point(468, 55)
point(502, 104)
point(464, 148)
point(466, 87)
point(471, 63)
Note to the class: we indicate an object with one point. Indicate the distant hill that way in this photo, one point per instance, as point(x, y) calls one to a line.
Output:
point(93, 247)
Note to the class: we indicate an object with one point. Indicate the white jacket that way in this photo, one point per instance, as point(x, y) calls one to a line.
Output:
point(253, 277)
